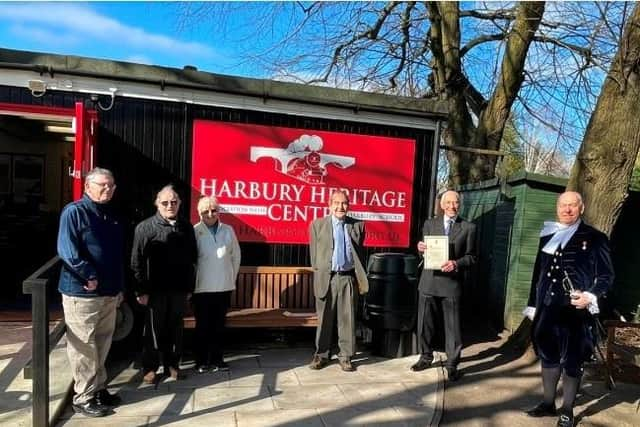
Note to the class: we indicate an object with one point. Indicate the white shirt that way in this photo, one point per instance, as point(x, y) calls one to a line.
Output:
point(446, 220)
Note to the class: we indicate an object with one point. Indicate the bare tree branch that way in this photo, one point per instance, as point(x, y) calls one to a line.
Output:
point(406, 40)
point(584, 51)
point(503, 14)
point(481, 39)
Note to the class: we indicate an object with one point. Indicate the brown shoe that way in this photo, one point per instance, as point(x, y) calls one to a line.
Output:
point(346, 365)
point(318, 362)
point(174, 373)
point(149, 377)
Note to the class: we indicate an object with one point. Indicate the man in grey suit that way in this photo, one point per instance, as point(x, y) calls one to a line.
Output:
point(337, 259)
point(444, 286)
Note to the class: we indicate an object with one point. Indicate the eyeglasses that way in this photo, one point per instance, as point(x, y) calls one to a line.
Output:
point(101, 185)
point(209, 212)
point(166, 203)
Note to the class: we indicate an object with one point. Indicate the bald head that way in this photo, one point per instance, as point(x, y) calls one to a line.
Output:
point(569, 207)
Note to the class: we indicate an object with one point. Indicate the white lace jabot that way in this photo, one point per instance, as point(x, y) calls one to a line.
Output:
point(561, 235)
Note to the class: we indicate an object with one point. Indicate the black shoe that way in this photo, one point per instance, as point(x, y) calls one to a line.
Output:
point(565, 419)
point(542, 410)
point(104, 398)
point(221, 366)
point(90, 409)
point(203, 369)
point(453, 374)
point(421, 365)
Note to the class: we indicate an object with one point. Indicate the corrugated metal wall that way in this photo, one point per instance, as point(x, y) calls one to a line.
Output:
point(148, 143)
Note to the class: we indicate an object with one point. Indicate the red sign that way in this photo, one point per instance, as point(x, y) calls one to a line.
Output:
point(271, 182)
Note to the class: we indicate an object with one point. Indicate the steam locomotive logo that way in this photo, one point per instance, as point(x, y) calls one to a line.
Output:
point(302, 159)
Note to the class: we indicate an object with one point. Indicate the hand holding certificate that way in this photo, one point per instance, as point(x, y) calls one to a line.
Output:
point(436, 252)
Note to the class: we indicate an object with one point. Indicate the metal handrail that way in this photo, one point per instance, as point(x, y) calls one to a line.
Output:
point(36, 285)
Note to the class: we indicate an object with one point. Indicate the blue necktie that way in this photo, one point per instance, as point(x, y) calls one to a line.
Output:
point(448, 228)
point(341, 258)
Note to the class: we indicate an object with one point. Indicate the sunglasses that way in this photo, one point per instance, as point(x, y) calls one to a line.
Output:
point(209, 212)
point(169, 202)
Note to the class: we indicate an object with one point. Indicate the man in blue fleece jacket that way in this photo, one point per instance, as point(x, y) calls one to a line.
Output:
point(90, 244)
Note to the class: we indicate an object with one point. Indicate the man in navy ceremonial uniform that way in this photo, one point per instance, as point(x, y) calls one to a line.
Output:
point(572, 272)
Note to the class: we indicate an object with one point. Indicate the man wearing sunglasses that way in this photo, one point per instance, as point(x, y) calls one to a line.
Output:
point(162, 259)
point(572, 272)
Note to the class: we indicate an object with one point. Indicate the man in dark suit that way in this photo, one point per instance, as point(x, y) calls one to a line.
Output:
point(337, 258)
point(443, 287)
point(572, 272)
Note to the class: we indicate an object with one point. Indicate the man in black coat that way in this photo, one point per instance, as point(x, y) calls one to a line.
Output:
point(572, 272)
point(163, 262)
point(444, 287)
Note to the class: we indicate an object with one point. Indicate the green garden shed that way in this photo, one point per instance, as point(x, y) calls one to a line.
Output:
point(509, 215)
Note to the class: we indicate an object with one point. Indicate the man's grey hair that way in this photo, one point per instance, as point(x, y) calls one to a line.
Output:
point(453, 191)
point(96, 172)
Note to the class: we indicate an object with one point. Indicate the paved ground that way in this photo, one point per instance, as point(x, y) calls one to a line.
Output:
point(271, 386)
point(500, 381)
point(274, 387)
point(15, 390)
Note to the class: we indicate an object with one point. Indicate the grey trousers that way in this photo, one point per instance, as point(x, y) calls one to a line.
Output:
point(337, 312)
point(90, 325)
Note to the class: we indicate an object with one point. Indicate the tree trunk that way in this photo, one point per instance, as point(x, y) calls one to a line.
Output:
point(451, 84)
point(493, 118)
point(445, 46)
point(604, 164)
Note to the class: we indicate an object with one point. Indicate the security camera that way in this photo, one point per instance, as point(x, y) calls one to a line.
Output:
point(94, 97)
point(37, 87)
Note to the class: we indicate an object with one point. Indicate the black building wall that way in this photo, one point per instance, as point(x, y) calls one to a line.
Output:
point(147, 144)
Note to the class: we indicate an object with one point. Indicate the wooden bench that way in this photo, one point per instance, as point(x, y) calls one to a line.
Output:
point(271, 297)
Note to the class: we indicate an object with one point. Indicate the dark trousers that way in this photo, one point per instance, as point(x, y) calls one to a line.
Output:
point(163, 330)
point(427, 309)
point(562, 337)
point(210, 310)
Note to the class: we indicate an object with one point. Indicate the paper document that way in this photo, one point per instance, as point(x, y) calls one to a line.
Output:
point(436, 253)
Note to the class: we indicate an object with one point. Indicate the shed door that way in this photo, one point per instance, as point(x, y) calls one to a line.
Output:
point(84, 149)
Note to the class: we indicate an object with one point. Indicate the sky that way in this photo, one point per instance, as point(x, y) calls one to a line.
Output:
point(150, 33)
point(141, 32)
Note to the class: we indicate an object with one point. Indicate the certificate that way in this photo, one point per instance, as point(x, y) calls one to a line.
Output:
point(436, 252)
